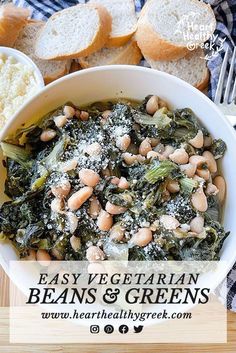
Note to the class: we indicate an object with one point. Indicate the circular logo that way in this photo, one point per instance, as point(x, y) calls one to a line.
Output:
point(123, 329)
point(108, 329)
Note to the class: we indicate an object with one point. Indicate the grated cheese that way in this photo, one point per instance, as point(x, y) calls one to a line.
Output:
point(17, 84)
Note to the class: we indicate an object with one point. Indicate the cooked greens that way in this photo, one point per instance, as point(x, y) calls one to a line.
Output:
point(142, 204)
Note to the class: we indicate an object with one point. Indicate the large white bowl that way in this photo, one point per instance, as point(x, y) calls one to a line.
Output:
point(134, 82)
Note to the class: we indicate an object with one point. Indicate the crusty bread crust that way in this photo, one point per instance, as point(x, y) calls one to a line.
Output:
point(156, 48)
point(153, 45)
point(12, 20)
point(99, 40)
point(49, 79)
point(204, 83)
point(131, 55)
point(119, 41)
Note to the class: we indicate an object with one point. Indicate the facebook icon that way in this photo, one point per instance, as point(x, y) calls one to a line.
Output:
point(123, 329)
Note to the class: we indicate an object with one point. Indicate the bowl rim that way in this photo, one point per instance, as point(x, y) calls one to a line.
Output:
point(128, 68)
point(24, 59)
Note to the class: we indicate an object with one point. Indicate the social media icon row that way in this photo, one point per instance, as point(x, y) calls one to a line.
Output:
point(123, 329)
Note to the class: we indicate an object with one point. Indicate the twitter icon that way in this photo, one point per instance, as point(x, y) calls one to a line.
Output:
point(138, 329)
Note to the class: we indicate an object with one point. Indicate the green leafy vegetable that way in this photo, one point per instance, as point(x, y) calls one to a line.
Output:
point(160, 171)
point(218, 148)
point(188, 185)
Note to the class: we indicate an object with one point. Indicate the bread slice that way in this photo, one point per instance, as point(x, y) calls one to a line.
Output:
point(51, 70)
point(76, 31)
point(12, 20)
point(128, 54)
point(167, 27)
point(192, 68)
point(124, 20)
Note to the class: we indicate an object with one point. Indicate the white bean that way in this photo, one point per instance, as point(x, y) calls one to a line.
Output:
point(145, 147)
point(168, 151)
point(199, 200)
point(79, 197)
point(60, 120)
point(152, 105)
point(31, 256)
point(114, 209)
point(142, 237)
point(57, 205)
point(62, 189)
point(123, 183)
point(198, 140)
point(203, 173)
point(43, 257)
point(173, 186)
point(169, 222)
point(69, 111)
point(211, 189)
point(188, 169)
point(104, 221)
point(197, 160)
point(117, 232)
point(94, 207)
point(47, 135)
point(84, 115)
point(129, 158)
point(94, 253)
point(94, 149)
point(197, 224)
point(154, 141)
point(115, 181)
point(123, 142)
point(153, 154)
point(69, 165)
point(89, 177)
point(73, 221)
point(180, 156)
point(210, 161)
point(75, 243)
point(219, 182)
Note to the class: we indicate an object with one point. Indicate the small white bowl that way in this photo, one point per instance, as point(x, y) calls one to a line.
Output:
point(24, 59)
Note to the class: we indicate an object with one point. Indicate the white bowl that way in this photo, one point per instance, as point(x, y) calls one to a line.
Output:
point(24, 59)
point(109, 82)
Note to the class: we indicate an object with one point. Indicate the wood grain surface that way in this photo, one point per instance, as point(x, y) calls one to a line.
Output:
point(5, 347)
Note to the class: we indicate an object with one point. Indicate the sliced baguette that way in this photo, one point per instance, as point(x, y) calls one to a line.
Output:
point(128, 54)
point(167, 27)
point(192, 68)
point(76, 31)
point(12, 20)
point(124, 20)
point(51, 70)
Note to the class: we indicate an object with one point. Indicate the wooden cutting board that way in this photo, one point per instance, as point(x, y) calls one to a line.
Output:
point(5, 347)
